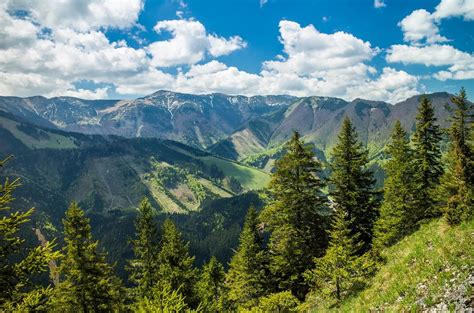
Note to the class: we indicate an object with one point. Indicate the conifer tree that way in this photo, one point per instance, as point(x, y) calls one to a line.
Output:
point(457, 186)
point(295, 217)
point(144, 268)
point(18, 265)
point(427, 159)
point(353, 184)
point(399, 203)
point(247, 278)
point(210, 287)
point(341, 270)
point(89, 282)
point(175, 267)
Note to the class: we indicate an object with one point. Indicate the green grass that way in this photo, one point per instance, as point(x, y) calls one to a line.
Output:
point(421, 266)
point(54, 141)
point(250, 178)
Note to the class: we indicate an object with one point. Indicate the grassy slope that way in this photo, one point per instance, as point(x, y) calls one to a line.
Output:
point(421, 266)
point(250, 178)
point(53, 140)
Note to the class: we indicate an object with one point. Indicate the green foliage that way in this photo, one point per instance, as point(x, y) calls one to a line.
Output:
point(399, 205)
point(458, 180)
point(175, 267)
point(427, 159)
point(295, 216)
point(353, 184)
point(89, 283)
point(247, 278)
point(143, 269)
point(341, 271)
point(283, 302)
point(162, 299)
point(18, 265)
point(210, 287)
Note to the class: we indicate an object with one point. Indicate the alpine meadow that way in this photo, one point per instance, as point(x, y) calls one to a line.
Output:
point(236, 156)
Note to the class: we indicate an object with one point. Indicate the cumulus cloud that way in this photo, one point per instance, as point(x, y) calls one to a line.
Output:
point(455, 8)
point(421, 30)
point(81, 15)
point(460, 64)
point(189, 44)
point(310, 52)
point(392, 85)
point(419, 26)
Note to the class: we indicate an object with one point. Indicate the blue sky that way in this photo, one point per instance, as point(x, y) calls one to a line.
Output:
point(382, 50)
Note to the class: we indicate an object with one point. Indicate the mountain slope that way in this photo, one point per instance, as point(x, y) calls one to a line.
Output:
point(319, 120)
point(431, 269)
point(198, 120)
point(109, 174)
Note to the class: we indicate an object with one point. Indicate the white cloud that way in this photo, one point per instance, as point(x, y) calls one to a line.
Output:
point(379, 4)
point(312, 53)
point(81, 15)
point(420, 25)
point(263, 2)
point(461, 64)
point(455, 8)
point(392, 85)
point(189, 44)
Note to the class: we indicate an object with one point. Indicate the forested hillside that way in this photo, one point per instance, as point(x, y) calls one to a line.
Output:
point(157, 226)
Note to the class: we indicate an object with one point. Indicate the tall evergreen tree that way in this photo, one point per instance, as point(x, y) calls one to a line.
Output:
point(426, 142)
point(458, 180)
point(144, 268)
point(175, 267)
point(247, 278)
point(341, 270)
point(210, 287)
point(19, 265)
point(89, 282)
point(399, 202)
point(353, 184)
point(295, 217)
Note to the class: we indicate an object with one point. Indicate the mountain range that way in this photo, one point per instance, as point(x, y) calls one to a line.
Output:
point(247, 129)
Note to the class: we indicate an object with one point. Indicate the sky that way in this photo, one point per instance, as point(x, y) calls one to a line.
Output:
point(119, 49)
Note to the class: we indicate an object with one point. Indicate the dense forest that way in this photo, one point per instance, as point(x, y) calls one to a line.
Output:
point(320, 236)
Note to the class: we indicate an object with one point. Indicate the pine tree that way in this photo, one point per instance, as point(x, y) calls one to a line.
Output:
point(353, 184)
point(427, 159)
point(18, 265)
point(210, 287)
point(457, 186)
point(89, 283)
point(399, 203)
point(175, 267)
point(144, 268)
point(247, 278)
point(341, 270)
point(295, 216)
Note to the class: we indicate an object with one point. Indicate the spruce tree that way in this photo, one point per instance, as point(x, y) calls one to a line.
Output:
point(247, 278)
point(341, 270)
point(427, 159)
point(399, 203)
point(19, 265)
point(175, 267)
point(457, 186)
point(353, 183)
point(210, 287)
point(144, 268)
point(295, 217)
point(89, 284)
